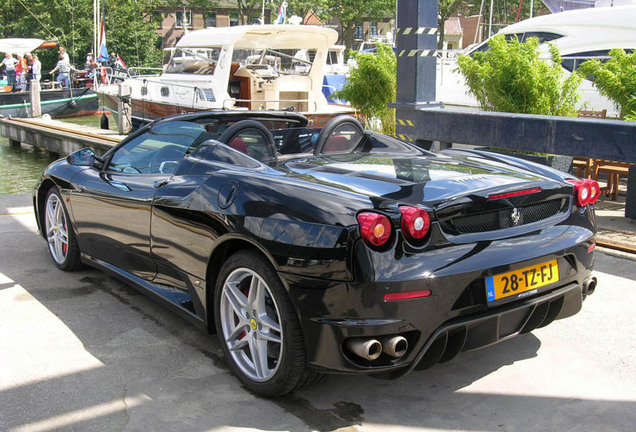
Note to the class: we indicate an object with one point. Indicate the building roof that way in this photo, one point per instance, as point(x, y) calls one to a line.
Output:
point(453, 26)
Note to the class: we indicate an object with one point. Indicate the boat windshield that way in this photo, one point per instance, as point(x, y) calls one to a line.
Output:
point(282, 62)
point(201, 61)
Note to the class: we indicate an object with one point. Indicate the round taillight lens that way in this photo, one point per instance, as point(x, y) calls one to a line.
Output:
point(595, 191)
point(375, 228)
point(415, 222)
point(583, 193)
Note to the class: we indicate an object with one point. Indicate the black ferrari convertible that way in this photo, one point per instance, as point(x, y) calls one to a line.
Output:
point(333, 250)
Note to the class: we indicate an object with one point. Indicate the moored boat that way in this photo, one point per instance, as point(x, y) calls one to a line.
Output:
point(268, 67)
point(580, 35)
point(55, 102)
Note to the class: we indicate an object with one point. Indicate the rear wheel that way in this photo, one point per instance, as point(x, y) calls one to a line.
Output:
point(59, 233)
point(259, 332)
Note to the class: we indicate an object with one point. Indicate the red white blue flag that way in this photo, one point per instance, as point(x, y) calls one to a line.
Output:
point(282, 13)
point(102, 56)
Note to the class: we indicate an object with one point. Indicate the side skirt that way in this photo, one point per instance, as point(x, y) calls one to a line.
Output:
point(171, 298)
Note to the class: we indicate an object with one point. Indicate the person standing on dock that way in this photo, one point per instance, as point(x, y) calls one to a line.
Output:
point(9, 69)
point(37, 68)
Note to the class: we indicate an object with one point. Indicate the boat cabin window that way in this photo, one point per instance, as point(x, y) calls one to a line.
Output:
point(199, 61)
point(571, 62)
point(269, 63)
point(523, 37)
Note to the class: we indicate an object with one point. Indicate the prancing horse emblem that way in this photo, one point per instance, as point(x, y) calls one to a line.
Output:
point(515, 216)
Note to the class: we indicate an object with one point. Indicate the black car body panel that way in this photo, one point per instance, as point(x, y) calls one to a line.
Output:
point(168, 233)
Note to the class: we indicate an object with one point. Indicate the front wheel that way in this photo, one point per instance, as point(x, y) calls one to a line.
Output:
point(59, 233)
point(259, 332)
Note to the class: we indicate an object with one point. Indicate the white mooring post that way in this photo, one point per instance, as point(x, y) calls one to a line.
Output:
point(36, 107)
point(124, 109)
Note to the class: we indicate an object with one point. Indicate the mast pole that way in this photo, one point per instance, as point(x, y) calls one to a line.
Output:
point(492, 7)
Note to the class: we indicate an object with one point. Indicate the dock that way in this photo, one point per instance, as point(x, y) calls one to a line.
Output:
point(58, 137)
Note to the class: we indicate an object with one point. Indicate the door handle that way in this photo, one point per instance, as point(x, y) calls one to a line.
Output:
point(160, 183)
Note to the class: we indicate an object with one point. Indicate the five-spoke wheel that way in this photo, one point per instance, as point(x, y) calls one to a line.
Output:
point(59, 234)
point(257, 327)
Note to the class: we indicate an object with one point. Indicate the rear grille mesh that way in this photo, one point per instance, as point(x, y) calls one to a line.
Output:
point(507, 218)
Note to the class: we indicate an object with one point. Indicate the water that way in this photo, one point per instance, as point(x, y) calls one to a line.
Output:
point(20, 168)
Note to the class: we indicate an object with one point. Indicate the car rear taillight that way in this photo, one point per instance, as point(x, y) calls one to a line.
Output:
point(595, 191)
point(586, 191)
point(375, 228)
point(415, 222)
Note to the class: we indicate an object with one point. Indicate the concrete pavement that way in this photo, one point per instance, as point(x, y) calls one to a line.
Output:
point(81, 351)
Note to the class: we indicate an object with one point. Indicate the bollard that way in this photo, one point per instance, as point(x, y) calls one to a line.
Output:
point(36, 107)
point(124, 109)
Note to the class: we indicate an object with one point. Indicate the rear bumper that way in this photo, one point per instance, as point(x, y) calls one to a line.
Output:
point(467, 334)
point(455, 318)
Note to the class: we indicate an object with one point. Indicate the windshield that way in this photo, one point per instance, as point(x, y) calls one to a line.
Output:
point(281, 62)
point(201, 61)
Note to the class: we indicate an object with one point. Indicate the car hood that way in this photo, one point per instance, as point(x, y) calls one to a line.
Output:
point(429, 180)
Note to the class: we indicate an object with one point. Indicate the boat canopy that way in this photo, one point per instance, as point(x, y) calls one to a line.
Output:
point(19, 45)
point(261, 37)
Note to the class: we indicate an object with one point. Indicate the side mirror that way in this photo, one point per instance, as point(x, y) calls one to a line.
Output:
point(83, 157)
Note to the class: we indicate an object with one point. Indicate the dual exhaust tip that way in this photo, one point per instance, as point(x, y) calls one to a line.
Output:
point(371, 349)
point(589, 286)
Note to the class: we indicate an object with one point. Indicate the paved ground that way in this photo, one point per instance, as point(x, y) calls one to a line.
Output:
point(84, 352)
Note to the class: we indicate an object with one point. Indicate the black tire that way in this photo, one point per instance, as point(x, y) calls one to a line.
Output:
point(59, 233)
point(271, 327)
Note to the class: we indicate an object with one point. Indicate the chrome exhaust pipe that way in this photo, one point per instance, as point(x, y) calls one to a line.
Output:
point(589, 286)
point(395, 346)
point(368, 349)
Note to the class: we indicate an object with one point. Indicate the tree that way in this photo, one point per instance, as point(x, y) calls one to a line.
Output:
point(302, 7)
point(615, 79)
point(510, 77)
point(351, 12)
point(372, 85)
point(248, 10)
point(130, 29)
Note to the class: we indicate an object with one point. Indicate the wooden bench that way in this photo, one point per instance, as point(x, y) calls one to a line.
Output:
point(614, 171)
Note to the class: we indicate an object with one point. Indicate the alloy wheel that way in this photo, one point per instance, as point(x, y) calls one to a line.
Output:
point(56, 229)
point(251, 324)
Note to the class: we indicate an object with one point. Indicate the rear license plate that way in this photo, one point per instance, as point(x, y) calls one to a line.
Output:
point(519, 281)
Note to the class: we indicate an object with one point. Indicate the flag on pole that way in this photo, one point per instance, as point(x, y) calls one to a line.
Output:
point(121, 63)
point(282, 13)
point(103, 52)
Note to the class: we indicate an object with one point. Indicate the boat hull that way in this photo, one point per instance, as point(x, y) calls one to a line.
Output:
point(144, 111)
point(56, 103)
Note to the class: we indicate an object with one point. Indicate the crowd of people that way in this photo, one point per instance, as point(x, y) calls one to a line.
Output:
point(20, 71)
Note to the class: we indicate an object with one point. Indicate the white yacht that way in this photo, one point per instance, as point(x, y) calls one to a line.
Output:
point(268, 67)
point(579, 34)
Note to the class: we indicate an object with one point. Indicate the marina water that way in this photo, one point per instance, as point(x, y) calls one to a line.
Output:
point(20, 168)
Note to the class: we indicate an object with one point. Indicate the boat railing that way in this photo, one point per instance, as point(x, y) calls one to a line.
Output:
point(142, 71)
point(200, 95)
point(230, 103)
point(450, 54)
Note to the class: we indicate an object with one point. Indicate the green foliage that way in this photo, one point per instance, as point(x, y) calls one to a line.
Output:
point(129, 28)
point(370, 87)
point(350, 12)
point(302, 7)
point(510, 77)
point(615, 79)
